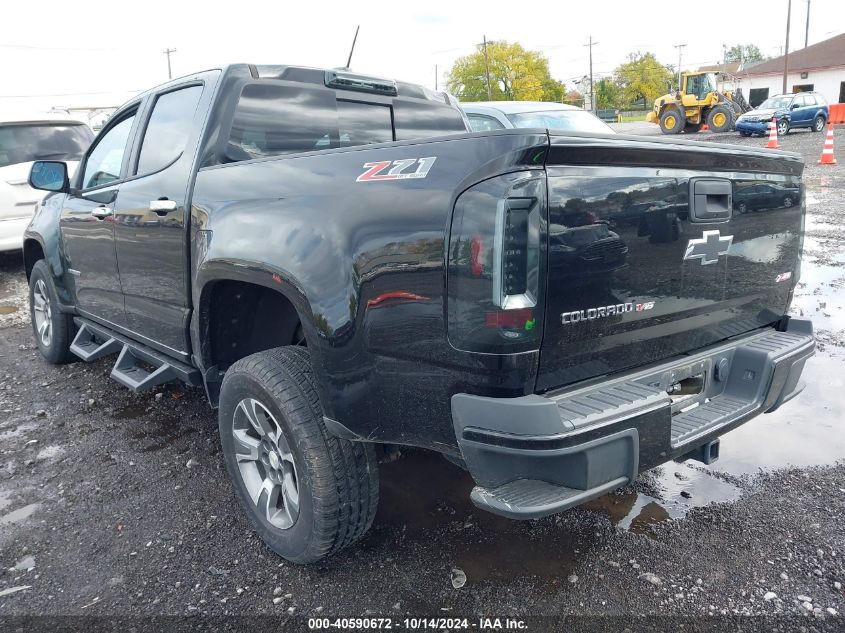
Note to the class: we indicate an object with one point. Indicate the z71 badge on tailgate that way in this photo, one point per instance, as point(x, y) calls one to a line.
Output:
point(397, 169)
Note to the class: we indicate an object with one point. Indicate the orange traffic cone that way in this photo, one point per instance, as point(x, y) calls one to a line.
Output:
point(773, 135)
point(705, 128)
point(827, 153)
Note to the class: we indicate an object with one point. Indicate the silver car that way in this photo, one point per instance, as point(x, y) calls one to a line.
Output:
point(486, 116)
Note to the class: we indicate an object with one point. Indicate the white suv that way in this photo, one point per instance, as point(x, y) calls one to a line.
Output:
point(24, 139)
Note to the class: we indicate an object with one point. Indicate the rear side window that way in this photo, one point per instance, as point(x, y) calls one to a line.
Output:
point(809, 100)
point(271, 120)
point(42, 141)
point(167, 131)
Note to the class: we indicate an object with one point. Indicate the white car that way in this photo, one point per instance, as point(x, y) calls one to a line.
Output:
point(24, 139)
point(486, 116)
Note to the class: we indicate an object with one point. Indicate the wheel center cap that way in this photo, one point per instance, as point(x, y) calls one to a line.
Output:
point(275, 462)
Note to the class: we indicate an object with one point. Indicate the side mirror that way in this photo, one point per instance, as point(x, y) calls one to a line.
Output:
point(795, 106)
point(49, 175)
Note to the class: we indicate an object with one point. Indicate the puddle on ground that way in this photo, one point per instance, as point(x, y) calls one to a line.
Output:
point(25, 564)
point(19, 515)
point(8, 309)
point(677, 489)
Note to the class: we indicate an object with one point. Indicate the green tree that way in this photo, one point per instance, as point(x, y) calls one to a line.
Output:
point(608, 94)
point(744, 53)
point(516, 74)
point(642, 77)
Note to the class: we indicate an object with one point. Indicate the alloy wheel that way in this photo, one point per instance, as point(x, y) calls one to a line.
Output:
point(265, 463)
point(43, 313)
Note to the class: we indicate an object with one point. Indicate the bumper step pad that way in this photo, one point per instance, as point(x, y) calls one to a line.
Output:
point(531, 499)
point(138, 367)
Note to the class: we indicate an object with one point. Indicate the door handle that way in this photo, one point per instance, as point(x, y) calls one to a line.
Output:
point(101, 213)
point(162, 206)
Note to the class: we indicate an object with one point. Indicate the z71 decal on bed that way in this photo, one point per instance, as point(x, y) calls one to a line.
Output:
point(397, 169)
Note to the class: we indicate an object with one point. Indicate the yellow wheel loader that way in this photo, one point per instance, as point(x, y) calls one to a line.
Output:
point(696, 103)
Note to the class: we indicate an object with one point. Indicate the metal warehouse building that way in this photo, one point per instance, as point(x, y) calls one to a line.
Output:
point(820, 68)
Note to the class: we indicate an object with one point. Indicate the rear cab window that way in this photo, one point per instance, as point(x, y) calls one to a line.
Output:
point(275, 117)
point(168, 129)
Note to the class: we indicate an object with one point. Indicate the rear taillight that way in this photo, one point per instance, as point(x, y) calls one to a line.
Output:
point(496, 264)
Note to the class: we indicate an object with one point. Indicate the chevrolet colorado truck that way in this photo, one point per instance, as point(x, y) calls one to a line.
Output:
point(340, 264)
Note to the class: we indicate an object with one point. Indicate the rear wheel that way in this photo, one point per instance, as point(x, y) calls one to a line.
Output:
point(672, 121)
point(52, 328)
point(307, 493)
point(782, 127)
point(745, 133)
point(818, 124)
point(787, 201)
point(720, 118)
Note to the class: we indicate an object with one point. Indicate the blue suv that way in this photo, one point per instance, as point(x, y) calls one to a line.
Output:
point(804, 109)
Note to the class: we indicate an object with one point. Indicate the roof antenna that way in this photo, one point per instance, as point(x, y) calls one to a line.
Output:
point(352, 50)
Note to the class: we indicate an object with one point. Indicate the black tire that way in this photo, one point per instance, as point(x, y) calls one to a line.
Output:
point(720, 118)
point(672, 121)
point(783, 127)
point(746, 134)
point(692, 128)
point(55, 345)
point(818, 124)
point(742, 208)
point(337, 480)
point(788, 201)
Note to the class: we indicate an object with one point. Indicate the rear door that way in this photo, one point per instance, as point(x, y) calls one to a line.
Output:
point(87, 222)
point(152, 216)
point(803, 116)
point(647, 259)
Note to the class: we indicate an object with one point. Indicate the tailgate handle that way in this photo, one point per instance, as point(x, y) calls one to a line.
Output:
point(711, 200)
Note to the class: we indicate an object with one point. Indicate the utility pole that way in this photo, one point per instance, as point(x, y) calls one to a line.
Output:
point(807, 28)
point(591, 43)
point(725, 64)
point(167, 52)
point(487, 70)
point(680, 48)
point(786, 45)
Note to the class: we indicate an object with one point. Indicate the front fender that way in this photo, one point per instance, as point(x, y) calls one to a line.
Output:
point(44, 232)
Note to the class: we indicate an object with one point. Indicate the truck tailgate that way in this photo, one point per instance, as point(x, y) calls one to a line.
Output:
point(657, 248)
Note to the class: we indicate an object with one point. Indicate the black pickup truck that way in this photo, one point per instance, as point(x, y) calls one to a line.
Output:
point(341, 265)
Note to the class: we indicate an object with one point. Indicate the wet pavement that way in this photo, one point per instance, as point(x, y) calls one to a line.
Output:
point(98, 510)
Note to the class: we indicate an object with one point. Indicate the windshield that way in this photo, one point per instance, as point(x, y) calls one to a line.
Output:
point(776, 103)
point(567, 120)
point(21, 143)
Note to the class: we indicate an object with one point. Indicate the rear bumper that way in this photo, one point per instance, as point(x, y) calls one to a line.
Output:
point(537, 455)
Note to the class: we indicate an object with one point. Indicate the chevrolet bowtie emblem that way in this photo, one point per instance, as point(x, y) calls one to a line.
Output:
point(708, 247)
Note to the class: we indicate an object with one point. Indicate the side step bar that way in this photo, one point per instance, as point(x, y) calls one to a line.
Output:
point(138, 367)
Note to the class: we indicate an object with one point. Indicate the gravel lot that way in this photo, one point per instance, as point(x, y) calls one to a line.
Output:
point(99, 514)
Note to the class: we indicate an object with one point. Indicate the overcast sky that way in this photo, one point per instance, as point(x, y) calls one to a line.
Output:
point(102, 56)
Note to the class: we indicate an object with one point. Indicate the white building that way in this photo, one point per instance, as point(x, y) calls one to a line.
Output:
point(819, 68)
